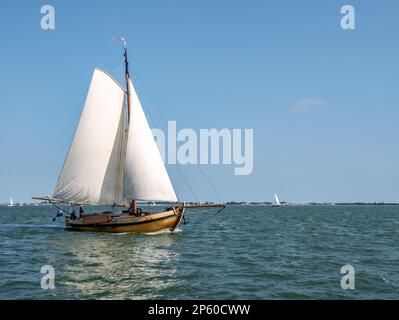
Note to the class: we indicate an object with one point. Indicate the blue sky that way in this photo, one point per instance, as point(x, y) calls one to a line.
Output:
point(323, 102)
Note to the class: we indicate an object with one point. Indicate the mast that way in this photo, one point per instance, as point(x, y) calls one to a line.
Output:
point(127, 77)
point(133, 204)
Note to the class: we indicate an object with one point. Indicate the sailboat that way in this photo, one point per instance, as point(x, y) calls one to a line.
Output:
point(275, 201)
point(11, 204)
point(113, 160)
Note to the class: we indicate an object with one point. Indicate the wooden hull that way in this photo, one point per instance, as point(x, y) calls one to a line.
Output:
point(168, 220)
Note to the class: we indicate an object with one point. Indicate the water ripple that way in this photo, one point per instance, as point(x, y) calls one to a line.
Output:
point(245, 252)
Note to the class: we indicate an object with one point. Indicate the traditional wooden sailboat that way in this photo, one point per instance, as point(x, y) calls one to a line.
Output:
point(113, 160)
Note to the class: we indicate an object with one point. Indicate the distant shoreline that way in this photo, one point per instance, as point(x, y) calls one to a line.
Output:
point(319, 203)
point(243, 203)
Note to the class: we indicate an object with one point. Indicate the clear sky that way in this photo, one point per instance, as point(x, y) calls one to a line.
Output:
point(323, 102)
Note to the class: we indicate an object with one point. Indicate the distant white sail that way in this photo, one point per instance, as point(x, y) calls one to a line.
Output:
point(11, 204)
point(275, 201)
point(145, 175)
point(93, 169)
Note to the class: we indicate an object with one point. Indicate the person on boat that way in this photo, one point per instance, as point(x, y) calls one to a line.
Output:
point(73, 215)
point(58, 214)
point(133, 208)
point(81, 212)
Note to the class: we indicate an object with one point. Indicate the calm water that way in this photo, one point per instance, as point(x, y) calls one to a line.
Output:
point(244, 252)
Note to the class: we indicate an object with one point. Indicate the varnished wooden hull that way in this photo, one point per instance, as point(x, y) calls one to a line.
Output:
point(168, 220)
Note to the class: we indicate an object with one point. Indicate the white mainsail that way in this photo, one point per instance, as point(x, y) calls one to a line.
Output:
point(275, 201)
point(93, 169)
point(11, 204)
point(145, 175)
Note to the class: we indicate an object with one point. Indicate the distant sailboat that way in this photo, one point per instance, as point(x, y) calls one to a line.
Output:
point(114, 160)
point(11, 204)
point(276, 202)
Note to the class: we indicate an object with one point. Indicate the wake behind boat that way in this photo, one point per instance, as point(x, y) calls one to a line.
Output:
point(113, 160)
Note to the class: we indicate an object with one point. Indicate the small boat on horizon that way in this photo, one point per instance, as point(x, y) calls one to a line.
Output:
point(113, 160)
point(11, 203)
point(275, 201)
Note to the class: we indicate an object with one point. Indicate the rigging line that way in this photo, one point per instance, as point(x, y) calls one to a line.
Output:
point(118, 69)
point(138, 77)
point(202, 211)
point(155, 122)
point(60, 208)
point(135, 75)
point(186, 181)
point(118, 73)
point(210, 183)
point(212, 215)
point(177, 165)
point(138, 85)
point(138, 89)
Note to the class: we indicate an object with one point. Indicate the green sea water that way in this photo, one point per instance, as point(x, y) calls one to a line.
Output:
point(244, 252)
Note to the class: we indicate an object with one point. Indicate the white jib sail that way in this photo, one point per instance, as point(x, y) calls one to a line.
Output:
point(93, 169)
point(145, 176)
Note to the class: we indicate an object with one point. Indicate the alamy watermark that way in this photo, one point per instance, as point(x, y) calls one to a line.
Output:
point(47, 21)
point(47, 281)
point(210, 146)
point(348, 280)
point(348, 18)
